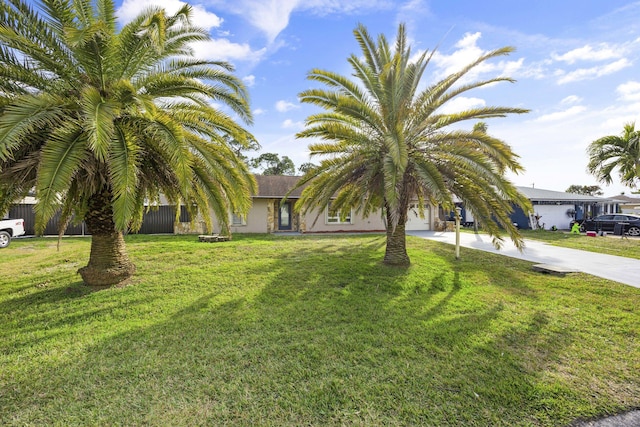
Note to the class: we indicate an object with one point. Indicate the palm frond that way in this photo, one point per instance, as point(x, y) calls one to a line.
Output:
point(61, 159)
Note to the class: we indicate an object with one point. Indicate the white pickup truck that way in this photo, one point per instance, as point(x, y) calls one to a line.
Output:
point(10, 228)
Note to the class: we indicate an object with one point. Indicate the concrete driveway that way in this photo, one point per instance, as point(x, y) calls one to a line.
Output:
point(618, 269)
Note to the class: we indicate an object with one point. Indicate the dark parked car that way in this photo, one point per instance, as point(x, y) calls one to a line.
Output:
point(607, 223)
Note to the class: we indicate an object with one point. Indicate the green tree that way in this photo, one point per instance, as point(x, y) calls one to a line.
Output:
point(306, 167)
point(589, 190)
point(100, 120)
point(240, 147)
point(272, 164)
point(386, 143)
point(621, 153)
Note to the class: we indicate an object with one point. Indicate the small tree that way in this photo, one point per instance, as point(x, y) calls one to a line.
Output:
point(306, 167)
point(241, 146)
point(272, 164)
point(588, 190)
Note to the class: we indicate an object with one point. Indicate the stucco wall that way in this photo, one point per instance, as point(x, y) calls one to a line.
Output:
point(262, 218)
point(256, 220)
point(554, 215)
point(372, 223)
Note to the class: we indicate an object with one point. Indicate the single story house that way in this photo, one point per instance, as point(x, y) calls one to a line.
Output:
point(625, 204)
point(270, 214)
point(555, 208)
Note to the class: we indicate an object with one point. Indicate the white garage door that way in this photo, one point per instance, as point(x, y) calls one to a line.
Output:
point(414, 222)
point(554, 215)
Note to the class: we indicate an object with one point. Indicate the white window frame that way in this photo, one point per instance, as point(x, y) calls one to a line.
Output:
point(238, 220)
point(335, 219)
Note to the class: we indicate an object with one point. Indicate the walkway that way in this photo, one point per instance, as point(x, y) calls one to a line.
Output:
point(616, 268)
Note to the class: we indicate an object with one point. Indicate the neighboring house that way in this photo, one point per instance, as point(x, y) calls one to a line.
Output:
point(270, 214)
point(625, 204)
point(556, 208)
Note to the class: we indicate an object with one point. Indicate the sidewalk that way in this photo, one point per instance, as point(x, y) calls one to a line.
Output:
point(618, 269)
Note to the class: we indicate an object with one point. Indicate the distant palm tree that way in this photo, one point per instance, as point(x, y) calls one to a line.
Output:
point(388, 143)
point(621, 153)
point(102, 122)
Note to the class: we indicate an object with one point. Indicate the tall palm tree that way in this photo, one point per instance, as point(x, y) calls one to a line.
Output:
point(386, 143)
point(101, 121)
point(621, 153)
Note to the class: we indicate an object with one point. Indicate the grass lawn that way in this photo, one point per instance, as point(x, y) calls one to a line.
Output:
point(612, 245)
point(309, 330)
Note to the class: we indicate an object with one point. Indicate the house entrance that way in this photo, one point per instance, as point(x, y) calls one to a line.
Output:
point(284, 217)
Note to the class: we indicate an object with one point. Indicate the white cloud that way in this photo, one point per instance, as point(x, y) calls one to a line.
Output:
point(249, 80)
point(467, 52)
point(593, 72)
point(216, 49)
point(271, 17)
point(629, 91)
point(561, 115)
point(571, 99)
point(225, 50)
point(259, 111)
point(284, 106)
point(535, 70)
point(461, 103)
point(587, 53)
point(200, 16)
point(290, 124)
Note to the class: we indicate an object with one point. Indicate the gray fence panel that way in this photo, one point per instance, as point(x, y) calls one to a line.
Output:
point(26, 212)
point(158, 221)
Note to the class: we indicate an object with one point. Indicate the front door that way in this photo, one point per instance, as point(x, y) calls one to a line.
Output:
point(284, 218)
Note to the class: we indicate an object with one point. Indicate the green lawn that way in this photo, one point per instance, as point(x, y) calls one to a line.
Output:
point(612, 245)
point(309, 330)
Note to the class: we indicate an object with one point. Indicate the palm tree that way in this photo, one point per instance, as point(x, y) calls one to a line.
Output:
point(620, 153)
point(102, 122)
point(386, 143)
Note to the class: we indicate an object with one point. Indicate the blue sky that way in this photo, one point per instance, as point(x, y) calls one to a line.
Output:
point(576, 65)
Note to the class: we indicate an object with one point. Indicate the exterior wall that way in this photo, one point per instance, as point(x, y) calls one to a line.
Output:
point(373, 223)
point(263, 218)
point(258, 219)
point(414, 222)
point(630, 208)
point(554, 215)
point(520, 218)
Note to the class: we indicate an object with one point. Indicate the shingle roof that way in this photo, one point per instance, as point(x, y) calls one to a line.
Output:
point(276, 186)
point(621, 198)
point(539, 195)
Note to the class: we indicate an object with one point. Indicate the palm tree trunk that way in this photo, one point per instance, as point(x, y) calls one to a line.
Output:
point(109, 263)
point(396, 251)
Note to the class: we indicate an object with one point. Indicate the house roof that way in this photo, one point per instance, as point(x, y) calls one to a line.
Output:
point(276, 186)
point(625, 200)
point(539, 195)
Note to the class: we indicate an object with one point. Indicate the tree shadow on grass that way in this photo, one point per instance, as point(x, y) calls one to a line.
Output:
point(329, 336)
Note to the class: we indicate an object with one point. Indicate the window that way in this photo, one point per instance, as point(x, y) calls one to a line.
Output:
point(184, 214)
point(335, 217)
point(238, 219)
